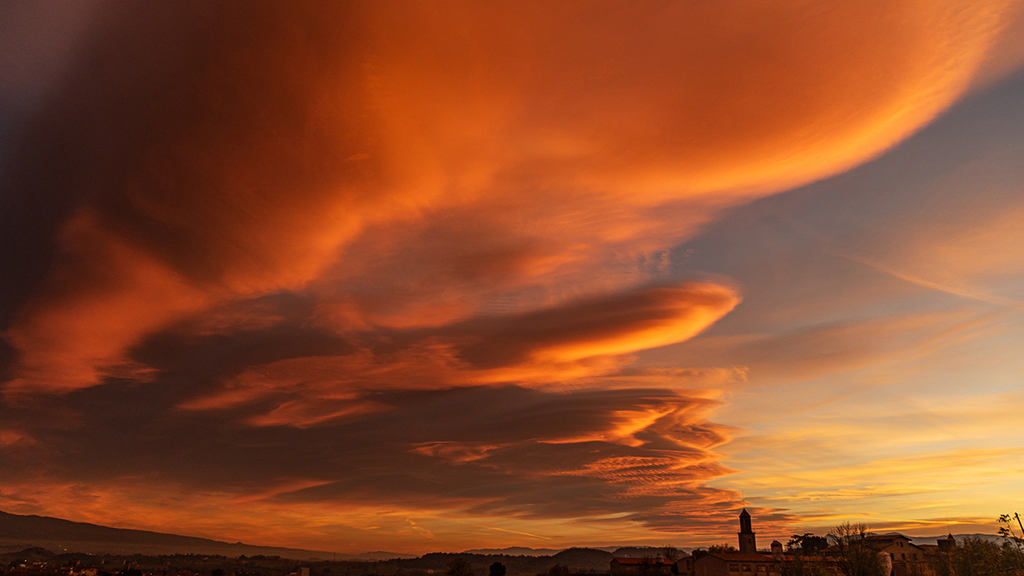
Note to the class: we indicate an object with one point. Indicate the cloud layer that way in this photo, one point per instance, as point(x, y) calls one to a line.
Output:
point(303, 255)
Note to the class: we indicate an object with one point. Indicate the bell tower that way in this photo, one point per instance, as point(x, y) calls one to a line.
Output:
point(746, 533)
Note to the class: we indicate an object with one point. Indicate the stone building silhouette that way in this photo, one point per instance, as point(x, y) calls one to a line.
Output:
point(746, 562)
point(746, 533)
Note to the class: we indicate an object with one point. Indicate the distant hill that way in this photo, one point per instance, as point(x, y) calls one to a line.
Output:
point(576, 559)
point(935, 539)
point(516, 551)
point(639, 551)
point(582, 559)
point(377, 556)
point(18, 532)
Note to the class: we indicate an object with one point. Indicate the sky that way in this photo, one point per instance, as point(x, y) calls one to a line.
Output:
point(435, 276)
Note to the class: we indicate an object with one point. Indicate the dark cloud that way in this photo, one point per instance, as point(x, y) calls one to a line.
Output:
point(482, 451)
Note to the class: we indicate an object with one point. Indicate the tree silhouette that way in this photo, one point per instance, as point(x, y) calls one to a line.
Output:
point(853, 555)
point(649, 566)
point(559, 570)
point(715, 548)
point(977, 557)
point(808, 544)
point(497, 569)
point(459, 567)
point(1014, 542)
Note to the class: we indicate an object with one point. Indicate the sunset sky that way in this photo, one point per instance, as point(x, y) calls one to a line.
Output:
point(430, 276)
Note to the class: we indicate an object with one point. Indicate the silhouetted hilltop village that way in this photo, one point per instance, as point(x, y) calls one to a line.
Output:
point(848, 550)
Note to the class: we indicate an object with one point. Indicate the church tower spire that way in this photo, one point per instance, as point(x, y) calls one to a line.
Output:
point(746, 533)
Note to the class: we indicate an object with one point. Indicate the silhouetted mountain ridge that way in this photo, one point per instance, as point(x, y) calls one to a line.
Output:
point(935, 539)
point(22, 531)
point(515, 551)
point(640, 551)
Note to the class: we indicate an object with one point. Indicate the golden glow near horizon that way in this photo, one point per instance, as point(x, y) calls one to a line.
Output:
point(451, 275)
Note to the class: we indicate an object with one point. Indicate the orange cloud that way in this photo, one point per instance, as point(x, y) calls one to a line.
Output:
point(243, 169)
point(99, 303)
point(551, 346)
point(665, 100)
point(613, 326)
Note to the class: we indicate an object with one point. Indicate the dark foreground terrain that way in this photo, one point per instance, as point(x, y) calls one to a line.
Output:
point(42, 562)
